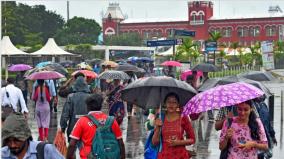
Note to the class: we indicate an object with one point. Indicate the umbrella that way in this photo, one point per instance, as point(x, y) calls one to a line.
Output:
point(45, 75)
point(171, 63)
point(213, 82)
point(185, 73)
point(87, 73)
point(94, 61)
point(84, 65)
point(56, 67)
point(205, 67)
point(132, 58)
point(221, 96)
point(43, 64)
point(145, 59)
point(150, 92)
point(110, 63)
point(258, 76)
point(128, 67)
point(19, 67)
point(112, 74)
point(67, 63)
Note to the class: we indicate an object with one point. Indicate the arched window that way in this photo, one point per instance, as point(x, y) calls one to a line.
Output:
point(194, 17)
point(240, 32)
point(245, 31)
point(254, 31)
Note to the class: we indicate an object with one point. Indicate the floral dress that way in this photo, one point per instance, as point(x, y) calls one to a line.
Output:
point(172, 130)
point(242, 134)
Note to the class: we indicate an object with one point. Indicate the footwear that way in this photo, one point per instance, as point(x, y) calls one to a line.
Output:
point(55, 109)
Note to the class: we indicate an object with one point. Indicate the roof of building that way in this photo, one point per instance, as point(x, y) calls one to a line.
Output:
point(114, 10)
point(248, 16)
point(152, 20)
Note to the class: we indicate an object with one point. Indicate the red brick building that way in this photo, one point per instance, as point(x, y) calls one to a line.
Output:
point(201, 19)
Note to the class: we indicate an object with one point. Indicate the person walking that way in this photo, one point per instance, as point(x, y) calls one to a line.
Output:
point(172, 130)
point(22, 83)
point(244, 135)
point(18, 143)
point(116, 105)
point(12, 96)
point(68, 87)
point(74, 106)
point(42, 110)
point(85, 130)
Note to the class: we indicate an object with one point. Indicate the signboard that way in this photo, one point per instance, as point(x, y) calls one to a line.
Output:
point(210, 45)
point(164, 42)
point(184, 33)
point(267, 55)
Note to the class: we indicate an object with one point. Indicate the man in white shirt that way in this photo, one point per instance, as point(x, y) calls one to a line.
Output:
point(11, 95)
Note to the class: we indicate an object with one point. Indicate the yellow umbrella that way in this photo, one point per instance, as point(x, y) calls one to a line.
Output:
point(110, 63)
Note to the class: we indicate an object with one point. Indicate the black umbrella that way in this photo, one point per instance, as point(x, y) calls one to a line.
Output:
point(128, 68)
point(150, 92)
point(213, 82)
point(205, 67)
point(111, 74)
point(56, 67)
point(258, 76)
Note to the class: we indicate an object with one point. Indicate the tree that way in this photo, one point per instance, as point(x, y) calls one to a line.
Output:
point(255, 52)
point(78, 30)
point(222, 55)
point(21, 22)
point(125, 39)
point(189, 50)
point(215, 36)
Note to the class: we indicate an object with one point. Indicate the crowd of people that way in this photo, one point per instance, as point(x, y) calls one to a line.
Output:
point(246, 132)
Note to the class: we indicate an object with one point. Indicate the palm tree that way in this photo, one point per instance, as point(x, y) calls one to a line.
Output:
point(195, 53)
point(255, 51)
point(184, 51)
point(234, 46)
point(215, 36)
point(222, 55)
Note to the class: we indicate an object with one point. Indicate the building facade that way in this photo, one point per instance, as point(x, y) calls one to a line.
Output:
point(244, 30)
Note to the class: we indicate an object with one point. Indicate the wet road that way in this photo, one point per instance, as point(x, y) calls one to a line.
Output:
point(134, 133)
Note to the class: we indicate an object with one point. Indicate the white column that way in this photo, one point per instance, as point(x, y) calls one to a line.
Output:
point(107, 53)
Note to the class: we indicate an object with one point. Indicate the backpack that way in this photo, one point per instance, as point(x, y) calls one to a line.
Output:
point(104, 144)
point(40, 150)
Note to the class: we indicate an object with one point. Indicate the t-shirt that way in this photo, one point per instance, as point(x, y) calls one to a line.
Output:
point(85, 130)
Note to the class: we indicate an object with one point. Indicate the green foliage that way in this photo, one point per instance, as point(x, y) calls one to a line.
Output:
point(189, 50)
point(78, 30)
point(22, 22)
point(85, 50)
point(215, 36)
point(125, 39)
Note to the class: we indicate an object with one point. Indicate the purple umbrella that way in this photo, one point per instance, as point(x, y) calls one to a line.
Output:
point(221, 96)
point(19, 67)
point(45, 75)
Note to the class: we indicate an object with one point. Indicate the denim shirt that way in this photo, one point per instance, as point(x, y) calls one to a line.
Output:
point(50, 152)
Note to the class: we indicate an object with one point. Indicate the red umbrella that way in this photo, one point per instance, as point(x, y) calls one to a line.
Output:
point(185, 73)
point(171, 63)
point(87, 73)
point(45, 75)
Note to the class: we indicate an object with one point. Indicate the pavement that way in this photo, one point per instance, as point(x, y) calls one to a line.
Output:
point(134, 133)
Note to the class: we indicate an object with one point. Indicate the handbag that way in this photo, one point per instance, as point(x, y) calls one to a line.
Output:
point(151, 151)
point(7, 109)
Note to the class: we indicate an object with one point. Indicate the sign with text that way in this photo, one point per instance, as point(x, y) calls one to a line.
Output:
point(164, 42)
point(210, 45)
point(184, 33)
point(267, 55)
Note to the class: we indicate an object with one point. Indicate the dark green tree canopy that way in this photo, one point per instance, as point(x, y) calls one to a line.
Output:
point(78, 30)
point(27, 25)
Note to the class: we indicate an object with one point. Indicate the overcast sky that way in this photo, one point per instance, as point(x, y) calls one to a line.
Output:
point(155, 8)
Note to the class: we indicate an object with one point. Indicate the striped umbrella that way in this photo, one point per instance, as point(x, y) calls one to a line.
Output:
point(111, 74)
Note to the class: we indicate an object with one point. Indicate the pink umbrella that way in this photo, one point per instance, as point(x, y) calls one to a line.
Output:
point(45, 75)
point(19, 67)
point(221, 96)
point(185, 73)
point(171, 63)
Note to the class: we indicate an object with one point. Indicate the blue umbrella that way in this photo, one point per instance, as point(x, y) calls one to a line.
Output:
point(43, 64)
point(145, 59)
